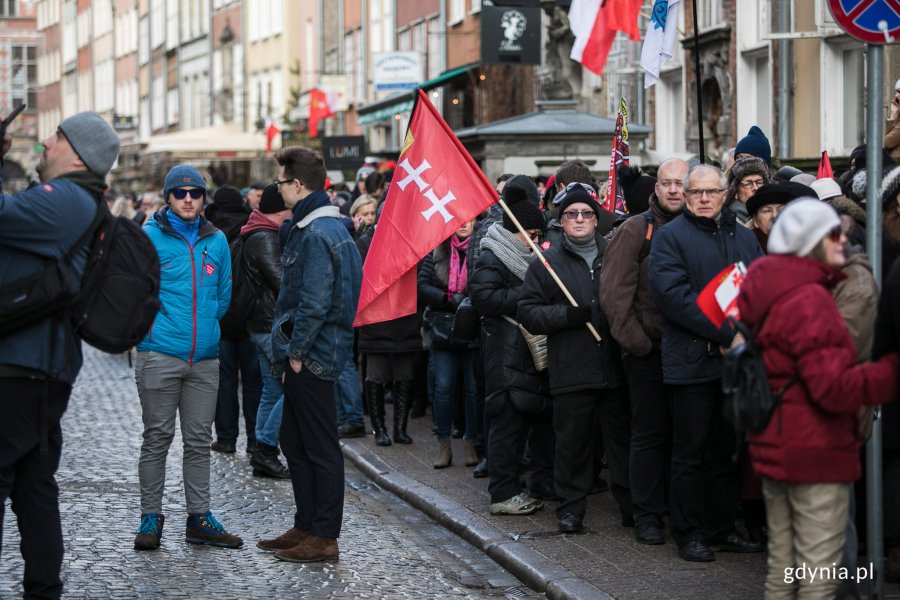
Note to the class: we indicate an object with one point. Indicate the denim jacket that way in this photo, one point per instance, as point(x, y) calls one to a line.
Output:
point(320, 281)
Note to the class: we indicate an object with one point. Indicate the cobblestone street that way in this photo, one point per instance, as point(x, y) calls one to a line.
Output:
point(388, 549)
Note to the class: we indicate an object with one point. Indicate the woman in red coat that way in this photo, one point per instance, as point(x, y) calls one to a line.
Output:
point(808, 455)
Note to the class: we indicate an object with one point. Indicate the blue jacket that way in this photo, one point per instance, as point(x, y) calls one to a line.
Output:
point(195, 290)
point(685, 255)
point(320, 281)
point(43, 222)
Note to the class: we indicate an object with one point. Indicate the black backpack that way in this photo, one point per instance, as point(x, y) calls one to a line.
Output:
point(243, 294)
point(749, 403)
point(116, 301)
point(119, 295)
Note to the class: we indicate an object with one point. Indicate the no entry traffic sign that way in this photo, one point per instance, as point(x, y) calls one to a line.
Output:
point(870, 21)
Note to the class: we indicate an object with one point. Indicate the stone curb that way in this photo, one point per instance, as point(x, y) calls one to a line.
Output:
point(530, 566)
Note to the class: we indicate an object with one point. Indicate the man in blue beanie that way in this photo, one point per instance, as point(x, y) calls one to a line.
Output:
point(755, 143)
point(176, 369)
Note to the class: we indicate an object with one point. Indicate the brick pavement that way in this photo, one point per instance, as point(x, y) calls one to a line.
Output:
point(388, 550)
point(607, 557)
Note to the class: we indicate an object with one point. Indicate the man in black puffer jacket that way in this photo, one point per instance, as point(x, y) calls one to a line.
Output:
point(517, 395)
point(585, 376)
point(262, 264)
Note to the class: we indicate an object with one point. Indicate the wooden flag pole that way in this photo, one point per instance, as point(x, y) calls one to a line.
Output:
point(547, 266)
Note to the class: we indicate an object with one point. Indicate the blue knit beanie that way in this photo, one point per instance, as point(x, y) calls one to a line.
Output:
point(755, 143)
point(181, 176)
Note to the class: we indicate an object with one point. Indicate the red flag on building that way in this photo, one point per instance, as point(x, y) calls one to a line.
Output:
point(595, 24)
point(615, 195)
point(436, 189)
point(824, 167)
point(272, 130)
point(318, 110)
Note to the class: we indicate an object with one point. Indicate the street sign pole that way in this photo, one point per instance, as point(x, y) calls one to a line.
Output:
point(874, 134)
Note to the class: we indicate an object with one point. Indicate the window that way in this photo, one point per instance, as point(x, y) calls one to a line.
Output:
point(172, 40)
point(103, 17)
point(157, 27)
point(158, 103)
point(670, 113)
point(854, 92)
point(435, 40)
point(70, 43)
point(104, 86)
point(144, 43)
point(709, 13)
point(24, 75)
point(457, 11)
point(9, 8)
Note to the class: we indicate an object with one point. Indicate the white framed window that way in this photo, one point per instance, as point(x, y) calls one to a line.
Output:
point(103, 17)
point(172, 39)
point(9, 8)
point(69, 33)
point(476, 7)
point(104, 86)
point(709, 14)
point(172, 114)
point(144, 129)
point(158, 103)
point(842, 118)
point(157, 26)
point(24, 75)
point(144, 40)
point(457, 11)
point(435, 40)
point(670, 117)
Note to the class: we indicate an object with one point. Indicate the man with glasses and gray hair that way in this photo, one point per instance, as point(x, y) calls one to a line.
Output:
point(685, 256)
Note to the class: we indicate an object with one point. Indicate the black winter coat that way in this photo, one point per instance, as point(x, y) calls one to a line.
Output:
point(229, 221)
point(576, 361)
point(433, 280)
point(887, 340)
point(262, 259)
point(508, 366)
point(686, 255)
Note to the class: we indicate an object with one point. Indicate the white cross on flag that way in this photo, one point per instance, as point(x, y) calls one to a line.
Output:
point(436, 189)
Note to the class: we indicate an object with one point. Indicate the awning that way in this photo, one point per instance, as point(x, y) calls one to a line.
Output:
point(228, 141)
point(401, 103)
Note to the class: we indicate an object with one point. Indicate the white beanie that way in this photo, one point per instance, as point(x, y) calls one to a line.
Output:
point(800, 226)
point(826, 188)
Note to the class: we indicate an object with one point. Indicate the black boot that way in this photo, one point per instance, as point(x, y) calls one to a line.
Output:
point(265, 462)
point(402, 404)
point(375, 398)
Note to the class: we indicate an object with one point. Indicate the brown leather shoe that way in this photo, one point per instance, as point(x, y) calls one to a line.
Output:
point(285, 541)
point(312, 549)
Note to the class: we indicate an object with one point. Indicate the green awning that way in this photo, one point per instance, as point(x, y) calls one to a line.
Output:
point(401, 103)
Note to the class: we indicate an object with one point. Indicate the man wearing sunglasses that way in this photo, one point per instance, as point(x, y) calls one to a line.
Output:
point(177, 367)
point(685, 255)
point(586, 378)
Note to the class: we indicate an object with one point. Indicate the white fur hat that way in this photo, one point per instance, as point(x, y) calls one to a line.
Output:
point(800, 226)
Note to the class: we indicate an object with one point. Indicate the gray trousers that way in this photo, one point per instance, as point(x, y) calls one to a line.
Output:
point(168, 385)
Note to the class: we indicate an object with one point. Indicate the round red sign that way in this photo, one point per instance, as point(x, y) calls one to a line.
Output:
point(870, 21)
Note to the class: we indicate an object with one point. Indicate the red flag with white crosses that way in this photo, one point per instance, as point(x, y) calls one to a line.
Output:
point(437, 188)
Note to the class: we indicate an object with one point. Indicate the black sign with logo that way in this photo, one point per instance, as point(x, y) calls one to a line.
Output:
point(510, 35)
point(344, 152)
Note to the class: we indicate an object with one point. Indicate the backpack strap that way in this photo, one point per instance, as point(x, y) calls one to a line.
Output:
point(651, 226)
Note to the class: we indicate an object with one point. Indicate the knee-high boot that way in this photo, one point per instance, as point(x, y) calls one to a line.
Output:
point(375, 398)
point(402, 405)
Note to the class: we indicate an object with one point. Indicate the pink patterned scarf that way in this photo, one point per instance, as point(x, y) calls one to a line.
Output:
point(458, 274)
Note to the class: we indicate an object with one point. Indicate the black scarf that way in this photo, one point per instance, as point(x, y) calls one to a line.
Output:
point(93, 184)
point(317, 199)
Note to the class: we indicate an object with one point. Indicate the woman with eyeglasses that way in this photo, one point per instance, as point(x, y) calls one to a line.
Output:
point(443, 284)
point(808, 454)
point(747, 175)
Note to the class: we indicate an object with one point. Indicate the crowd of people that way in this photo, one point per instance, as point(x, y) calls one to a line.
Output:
point(550, 371)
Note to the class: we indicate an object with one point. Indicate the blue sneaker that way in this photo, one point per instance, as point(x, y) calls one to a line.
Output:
point(205, 529)
point(150, 531)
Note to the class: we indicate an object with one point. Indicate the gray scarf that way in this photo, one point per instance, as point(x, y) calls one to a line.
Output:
point(514, 255)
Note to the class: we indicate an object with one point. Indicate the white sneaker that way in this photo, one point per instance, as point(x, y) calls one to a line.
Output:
point(520, 504)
